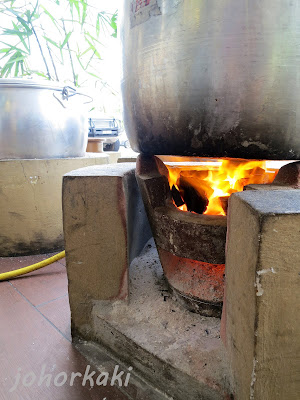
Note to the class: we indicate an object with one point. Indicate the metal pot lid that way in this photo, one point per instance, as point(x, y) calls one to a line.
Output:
point(30, 83)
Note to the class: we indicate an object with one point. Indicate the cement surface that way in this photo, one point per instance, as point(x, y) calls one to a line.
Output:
point(105, 227)
point(101, 359)
point(104, 170)
point(267, 187)
point(179, 350)
point(268, 202)
point(30, 203)
point(127, 159)
point(262, 297)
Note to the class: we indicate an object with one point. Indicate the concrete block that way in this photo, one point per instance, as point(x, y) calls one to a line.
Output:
point(105, 227)
point(113, 156)
point(30, 203)
point(261, 317)
point(267, 187)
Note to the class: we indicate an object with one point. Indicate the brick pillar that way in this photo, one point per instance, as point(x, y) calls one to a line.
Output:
point(105, 227)
point(262, 318)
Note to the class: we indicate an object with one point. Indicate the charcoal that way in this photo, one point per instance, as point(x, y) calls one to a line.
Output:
point(177, 197)
point(194, 200)
point(224, 203)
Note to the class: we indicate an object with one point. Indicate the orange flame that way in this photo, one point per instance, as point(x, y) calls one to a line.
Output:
point(217, 180)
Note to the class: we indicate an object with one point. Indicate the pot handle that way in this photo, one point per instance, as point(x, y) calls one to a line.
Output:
point(68, 92)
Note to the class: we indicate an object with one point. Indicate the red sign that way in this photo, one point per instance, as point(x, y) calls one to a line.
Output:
point(140, 4)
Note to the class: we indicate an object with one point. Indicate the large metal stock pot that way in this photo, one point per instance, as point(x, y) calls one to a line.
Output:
point(40, 120)
point(213, 77)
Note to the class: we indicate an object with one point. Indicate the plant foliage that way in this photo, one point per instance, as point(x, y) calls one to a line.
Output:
point(63, 34)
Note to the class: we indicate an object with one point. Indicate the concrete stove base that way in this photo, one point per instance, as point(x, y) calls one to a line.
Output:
point(177, 351)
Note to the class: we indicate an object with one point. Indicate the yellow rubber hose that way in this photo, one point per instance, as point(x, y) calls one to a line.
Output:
point(17, 272)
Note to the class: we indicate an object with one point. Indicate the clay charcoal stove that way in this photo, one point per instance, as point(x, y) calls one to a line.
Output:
point(186, 203)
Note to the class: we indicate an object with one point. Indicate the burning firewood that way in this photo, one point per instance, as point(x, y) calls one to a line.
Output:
point(194, 199)
point(178, 200)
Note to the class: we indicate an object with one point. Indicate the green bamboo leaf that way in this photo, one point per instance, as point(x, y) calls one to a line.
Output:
point(20, 35)
point(38, 73)
point(98, 25)
point(28, 14)
point(17, 68)
point(113, 22)
point(88, 63)
point(102, 20)
point(79, 60)
point(105, 23)
point(92, 37)
point(85, 51)
point(66, 40)
point(12, 11)
point(50, 16)
point(24, 23)
point(94, 75)
point(62, 57)
point(76, 4)
point(71, 6)
point(13, 47)
point(34, 10)
point(103, 17)
point(5, 71)
point(11, 32)
point(52, 42)
point(84, 12)
point(94, 49)
point(16, 59)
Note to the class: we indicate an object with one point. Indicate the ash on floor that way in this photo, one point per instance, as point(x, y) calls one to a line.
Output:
point(156, 323)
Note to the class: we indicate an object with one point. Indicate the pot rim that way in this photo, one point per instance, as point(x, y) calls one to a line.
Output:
point(30, 84)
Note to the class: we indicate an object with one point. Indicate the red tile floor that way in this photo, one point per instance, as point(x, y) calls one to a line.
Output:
point(35, 334)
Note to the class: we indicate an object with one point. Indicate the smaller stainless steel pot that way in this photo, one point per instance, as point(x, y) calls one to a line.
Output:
point(40, 120)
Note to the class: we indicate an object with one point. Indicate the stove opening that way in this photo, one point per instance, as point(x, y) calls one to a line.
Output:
point(204, 187)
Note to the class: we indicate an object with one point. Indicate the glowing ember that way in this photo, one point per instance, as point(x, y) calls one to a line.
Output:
point(214, 182)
